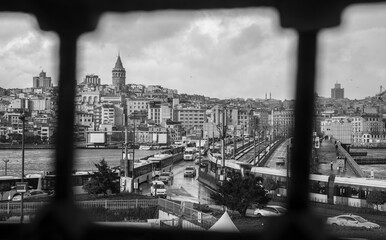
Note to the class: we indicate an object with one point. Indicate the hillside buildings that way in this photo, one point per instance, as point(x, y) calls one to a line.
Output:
point(153, 112)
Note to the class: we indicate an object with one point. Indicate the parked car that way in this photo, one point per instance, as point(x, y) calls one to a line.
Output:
point(166, 177)
point(190, 171)
point(30, 195)
point(350, 220)
point(266, 211)
point(157, 189)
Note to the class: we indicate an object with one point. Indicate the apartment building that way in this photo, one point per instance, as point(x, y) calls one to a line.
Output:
point(84, 119)
point(159, 112)
point(283, 122)
point(108, 114)
point(193, 118)
point(137, 104)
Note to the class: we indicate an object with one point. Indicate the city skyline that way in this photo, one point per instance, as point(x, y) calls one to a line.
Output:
point(220, 54)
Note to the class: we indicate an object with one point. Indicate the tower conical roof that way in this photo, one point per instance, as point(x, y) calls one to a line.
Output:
point(118, 63)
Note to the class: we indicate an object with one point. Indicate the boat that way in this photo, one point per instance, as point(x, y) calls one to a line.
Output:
point(145, 147)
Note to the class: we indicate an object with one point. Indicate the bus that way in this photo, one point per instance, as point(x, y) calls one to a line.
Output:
point(8, 184)
point(40, 181)
point(151, 167)
point(79, 178)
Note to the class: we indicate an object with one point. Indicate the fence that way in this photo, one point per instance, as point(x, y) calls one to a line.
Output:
point(183, 212)
point(188, 218)
point(33, 207)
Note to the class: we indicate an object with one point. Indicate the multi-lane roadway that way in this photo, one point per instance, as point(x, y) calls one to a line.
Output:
point(184, 188)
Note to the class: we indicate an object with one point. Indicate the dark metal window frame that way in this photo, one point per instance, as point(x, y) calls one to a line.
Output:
point(69, 19)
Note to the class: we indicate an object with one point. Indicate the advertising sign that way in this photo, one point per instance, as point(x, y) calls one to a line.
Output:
point(21, 187)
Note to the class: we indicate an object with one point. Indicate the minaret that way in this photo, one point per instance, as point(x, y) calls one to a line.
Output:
point(119, 74)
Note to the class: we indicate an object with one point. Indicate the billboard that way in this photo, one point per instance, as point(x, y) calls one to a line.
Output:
point(97, 137)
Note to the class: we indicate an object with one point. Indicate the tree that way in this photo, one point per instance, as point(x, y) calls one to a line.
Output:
point(270, 184)
point(104, 180)
point(376, 197)
point(238, 193)
point(4, 187)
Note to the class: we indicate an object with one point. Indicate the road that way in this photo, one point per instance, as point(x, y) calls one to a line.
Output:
point(184, 188)
point(189, 189)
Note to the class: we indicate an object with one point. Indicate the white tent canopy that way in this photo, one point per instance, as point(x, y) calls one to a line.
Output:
point(224, 224)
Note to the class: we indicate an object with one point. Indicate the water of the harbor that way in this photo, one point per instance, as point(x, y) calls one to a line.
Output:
point(38, 160)
point(378, 169)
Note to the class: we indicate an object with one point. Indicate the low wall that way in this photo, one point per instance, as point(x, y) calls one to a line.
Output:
point(351, 162)
point(177, 222)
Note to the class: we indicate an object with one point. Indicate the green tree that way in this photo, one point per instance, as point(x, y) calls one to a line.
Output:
point(14, 137)
point(376, 197)
point(104, 181)
point(238, 193)
point(270, 184)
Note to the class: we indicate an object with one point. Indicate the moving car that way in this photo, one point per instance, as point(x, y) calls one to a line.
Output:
point(158, 189)
point(266, 211)
point(190, 171)
point(350, 220)
point(190, 154)
point(166, 177)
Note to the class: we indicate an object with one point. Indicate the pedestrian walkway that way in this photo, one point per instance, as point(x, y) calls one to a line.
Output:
point(327, 162)
point(325, 155)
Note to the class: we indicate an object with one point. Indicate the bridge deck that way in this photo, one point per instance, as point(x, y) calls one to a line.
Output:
point(326, 153)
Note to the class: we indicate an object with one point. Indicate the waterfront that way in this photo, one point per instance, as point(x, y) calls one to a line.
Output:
point(378, 169)
point(38, 160)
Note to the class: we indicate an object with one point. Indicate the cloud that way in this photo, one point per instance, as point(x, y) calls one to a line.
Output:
point(221, 53)
point(355, 59)
point(216, 53)
point(24, 51)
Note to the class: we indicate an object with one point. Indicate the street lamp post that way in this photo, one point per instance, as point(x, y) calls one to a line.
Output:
point(22, 118)
point(5, 160)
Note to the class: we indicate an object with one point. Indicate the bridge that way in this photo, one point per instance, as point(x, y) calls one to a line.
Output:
point(327, 159)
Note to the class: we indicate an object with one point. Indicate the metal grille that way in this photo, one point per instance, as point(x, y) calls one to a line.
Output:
point(63, 220)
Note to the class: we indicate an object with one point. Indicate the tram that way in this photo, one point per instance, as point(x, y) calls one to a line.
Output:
point(327, 189)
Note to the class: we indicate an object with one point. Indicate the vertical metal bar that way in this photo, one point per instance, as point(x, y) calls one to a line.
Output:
point(22, 166)
point(254, 148)
point(66, 106)
point(305, 87)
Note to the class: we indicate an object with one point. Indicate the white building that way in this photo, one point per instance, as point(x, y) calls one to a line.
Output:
point(40, 104)
point(136, 104)
point(108, 114)
point(190, 117)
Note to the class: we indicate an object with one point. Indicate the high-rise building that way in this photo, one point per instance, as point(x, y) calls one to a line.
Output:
point(119, 74)
point(337, 92)
point(42, 80)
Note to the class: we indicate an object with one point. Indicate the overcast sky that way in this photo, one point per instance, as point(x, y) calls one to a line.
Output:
point(224, 53)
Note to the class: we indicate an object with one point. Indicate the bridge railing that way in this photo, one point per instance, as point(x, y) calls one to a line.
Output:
point(183, 212)
point(33, 207)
